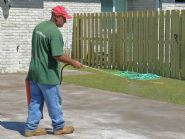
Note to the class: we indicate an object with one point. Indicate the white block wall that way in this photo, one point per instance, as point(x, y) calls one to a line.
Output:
point(173, 6)
point(15, 37)
point(16, 31)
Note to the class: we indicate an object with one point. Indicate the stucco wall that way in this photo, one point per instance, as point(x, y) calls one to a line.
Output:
point(16, 30)
point(151, 5)
point(167, 1)
point(141, 5)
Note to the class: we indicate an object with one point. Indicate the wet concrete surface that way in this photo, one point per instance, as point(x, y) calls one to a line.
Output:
point(94, 113)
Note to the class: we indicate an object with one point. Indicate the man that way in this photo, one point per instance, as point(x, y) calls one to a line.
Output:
point(44, 74)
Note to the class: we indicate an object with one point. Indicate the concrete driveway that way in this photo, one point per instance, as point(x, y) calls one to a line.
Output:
point(94, 113)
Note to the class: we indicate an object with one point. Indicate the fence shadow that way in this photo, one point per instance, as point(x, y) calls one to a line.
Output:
point(12, 125)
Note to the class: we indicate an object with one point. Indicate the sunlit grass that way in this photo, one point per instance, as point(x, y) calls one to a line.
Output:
point(163, 89)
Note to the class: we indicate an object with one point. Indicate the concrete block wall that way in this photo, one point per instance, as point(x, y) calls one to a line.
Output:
point(16, 31)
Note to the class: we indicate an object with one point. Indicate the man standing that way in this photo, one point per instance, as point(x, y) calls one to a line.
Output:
point(44, 74)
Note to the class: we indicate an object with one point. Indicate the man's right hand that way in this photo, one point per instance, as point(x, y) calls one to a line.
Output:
point(77, 64)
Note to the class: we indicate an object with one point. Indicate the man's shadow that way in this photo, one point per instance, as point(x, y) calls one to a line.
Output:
point(11, 125)
point(19, 126)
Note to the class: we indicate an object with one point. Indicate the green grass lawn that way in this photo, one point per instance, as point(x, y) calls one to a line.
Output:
point(163, 89)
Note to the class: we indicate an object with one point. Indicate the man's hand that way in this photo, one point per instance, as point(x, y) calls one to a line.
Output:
point(77, 64)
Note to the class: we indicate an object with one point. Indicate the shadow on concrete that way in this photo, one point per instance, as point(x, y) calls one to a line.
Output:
point(11, 125)
point(19, 127)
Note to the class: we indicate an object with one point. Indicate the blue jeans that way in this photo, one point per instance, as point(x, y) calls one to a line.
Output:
point(51, 95)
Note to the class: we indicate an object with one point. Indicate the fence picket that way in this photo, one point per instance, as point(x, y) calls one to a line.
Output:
point(155, 45)
point(130, 40)
point(118, 41)
point(145, 38)
point(104, 61)
point(140, 61)
point(174, 49)
point(81, 36)
point(85, 40)
point(73, 53)
point(150, 41)
point(121, 42)
point(100, 50)
point(135, 41)
point(78, 37)
point(126, 48)
point(89, 39)
point(182, 44)
point(96, 40)
point(114, 40)
point(177, 52)
point(109, 22)
point(161, 43)
point(124, 41)
point(92, 40)
point(167, 44)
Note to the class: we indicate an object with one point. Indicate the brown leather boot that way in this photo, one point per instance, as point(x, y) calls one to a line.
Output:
point(65, 130)
point(37, 132)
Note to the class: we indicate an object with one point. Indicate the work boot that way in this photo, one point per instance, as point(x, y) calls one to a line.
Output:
point(65, 130)
point(37, 132)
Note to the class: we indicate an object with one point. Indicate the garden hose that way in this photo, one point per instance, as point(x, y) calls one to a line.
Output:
point(61, 76)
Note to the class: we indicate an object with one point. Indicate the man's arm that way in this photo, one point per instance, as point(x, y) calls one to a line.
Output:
point(68, 60)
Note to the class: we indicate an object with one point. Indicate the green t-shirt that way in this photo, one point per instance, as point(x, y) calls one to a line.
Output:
point(47, 42)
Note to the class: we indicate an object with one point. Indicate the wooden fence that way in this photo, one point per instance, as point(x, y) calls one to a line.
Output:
point(142, 41)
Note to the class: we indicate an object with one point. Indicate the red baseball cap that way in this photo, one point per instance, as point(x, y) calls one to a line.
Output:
point(60, 11)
